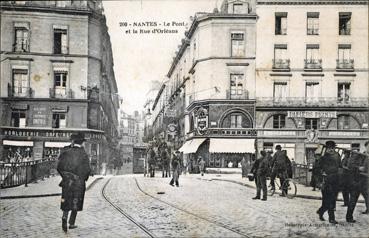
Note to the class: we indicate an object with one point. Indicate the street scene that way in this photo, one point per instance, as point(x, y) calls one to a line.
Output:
point(184, 118)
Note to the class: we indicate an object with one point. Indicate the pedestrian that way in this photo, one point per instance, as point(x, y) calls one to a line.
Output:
point(201, 165)
point(364, 168)
point(293, 165)
point(244, 164)
point(329, 164)
point(152, 161)
point(261, 173)
point(74, 168)
point(280, 165)
point(165, 162)
point(345, 178)
point(175, 167)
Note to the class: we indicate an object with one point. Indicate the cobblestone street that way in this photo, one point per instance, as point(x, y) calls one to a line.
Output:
point(198, 208)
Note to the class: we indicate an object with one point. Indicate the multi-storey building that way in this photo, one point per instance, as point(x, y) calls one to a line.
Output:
point(57, 78)
point(288, 72)
point(127, 135)
point(311, 74)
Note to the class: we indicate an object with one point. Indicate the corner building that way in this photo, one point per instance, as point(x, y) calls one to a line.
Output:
point(311, 75)
point(57, 78)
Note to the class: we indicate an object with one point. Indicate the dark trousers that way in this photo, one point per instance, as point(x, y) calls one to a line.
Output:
point(354, 196)
point(329, 195)
point(175, 178)
point(152, 170)
point(72, 218)
point(261, 185)
point(346, 197)
point(364, 190)
point(281, 179)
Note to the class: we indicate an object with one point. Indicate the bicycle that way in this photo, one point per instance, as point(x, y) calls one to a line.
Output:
point(289, 188)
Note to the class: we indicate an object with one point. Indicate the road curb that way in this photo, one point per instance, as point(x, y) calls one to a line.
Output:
point(48, 194)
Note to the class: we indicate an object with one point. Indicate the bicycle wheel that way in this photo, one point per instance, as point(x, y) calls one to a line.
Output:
point(289, 186)
point(271, 190)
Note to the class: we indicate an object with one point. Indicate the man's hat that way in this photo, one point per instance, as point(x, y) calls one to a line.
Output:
point(330, 144)
point(278, 147)
point(77, 136)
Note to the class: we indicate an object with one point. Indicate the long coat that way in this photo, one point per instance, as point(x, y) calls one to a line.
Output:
point(74, 167)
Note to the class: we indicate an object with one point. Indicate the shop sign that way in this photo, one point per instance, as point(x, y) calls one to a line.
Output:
point(39, 117)
point(42, 133)
point(312, 114)
point(202, 121)
point(172, 129)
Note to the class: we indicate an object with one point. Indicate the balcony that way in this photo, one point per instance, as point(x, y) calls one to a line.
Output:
point(239, 94)
point(313, 64)
point(61, 93)
point(311, 102)
point(21, 45)
point(22, 92)
point(281, 64)
point(312, 31)
point(241, 132)
point(345, 64)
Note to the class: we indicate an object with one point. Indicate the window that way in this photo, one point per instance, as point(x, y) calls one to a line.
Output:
point(60, 41)
point(344, 60)
point(281, 23)
point(60, 83)
point(279, 121)
point(281, 60)
point(59, 120)
point(236, 85)
point(312, 91)
point(343, 122)
point(236, 121)
point(18, 119)
point(280, 90)
point(21, 42)
point(20, 83)
point(313, 60)
point(238, 45)
point(313, 23)
point(343, 92)
point(311, 123)
point(344, 23)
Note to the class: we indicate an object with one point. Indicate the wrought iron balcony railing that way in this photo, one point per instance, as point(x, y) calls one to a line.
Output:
point(61, 93)
point(345, 64)
point(313, 63)
point(312, 102)
point(281, 64)
point(25, 92)
point(237, 94)
point(312, 31)
point(21, 45)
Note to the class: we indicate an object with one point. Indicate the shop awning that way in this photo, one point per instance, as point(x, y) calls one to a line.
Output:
point(194, 145)
point(17, 143)
point(56, 144)
point(184, 146)
point(232, 146)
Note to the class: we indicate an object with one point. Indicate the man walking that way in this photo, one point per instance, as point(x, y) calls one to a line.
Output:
point(329, 164)
point(201, 165)
point(262, 172)
point(175, 167)
point(74, 168)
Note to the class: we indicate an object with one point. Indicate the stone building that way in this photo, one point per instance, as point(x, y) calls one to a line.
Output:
point(57, 78)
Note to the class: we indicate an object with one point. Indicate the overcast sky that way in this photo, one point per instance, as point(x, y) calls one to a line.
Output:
point(141, 58)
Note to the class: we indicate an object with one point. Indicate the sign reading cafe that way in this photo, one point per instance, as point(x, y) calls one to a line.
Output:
point(312, 114)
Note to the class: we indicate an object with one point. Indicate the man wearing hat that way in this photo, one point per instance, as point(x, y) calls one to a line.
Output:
point(329, 163)
point(278, 165)
point(175, 167)
point(74, 168)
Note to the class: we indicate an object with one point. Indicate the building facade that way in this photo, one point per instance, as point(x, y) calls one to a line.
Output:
point(259, 73)
point(57, 78)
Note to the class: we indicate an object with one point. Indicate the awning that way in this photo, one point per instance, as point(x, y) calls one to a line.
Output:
point(232, 146)
point(56, 144)
point(192, 145)
point(184, 146)
point(17, 143)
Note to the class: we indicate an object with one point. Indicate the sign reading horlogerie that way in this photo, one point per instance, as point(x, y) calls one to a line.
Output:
point(311, 114)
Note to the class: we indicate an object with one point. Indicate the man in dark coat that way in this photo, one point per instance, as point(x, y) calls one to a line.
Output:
point(280, 163)
point(151, 161)
point(74, 168)
point(175, 166)
point(262, 172)
point(329, 163)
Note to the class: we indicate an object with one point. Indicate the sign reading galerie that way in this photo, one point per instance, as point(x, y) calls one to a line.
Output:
point(312, 114)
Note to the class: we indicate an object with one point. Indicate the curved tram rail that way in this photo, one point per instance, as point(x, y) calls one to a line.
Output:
point(168, 204)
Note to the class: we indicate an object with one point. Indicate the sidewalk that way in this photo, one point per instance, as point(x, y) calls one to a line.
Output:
point(43, 188)
point(302, 190)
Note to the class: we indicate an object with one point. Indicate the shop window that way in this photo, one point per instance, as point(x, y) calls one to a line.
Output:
point(343, 122)
point(60, 41)
point(268, 147)
point(279, 121)
point(281, 23)
point(344, 23)
point(343, 92)
point(18, 119)
point(238, 45)
point(313, 23)
point(311, 123)
point(59, 120)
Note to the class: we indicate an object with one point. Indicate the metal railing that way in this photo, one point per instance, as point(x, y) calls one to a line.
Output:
point(301, 174)
point(15, 174)
point(232, 131)
point(312, 31)
point(21, 45)
point(313, 63)
point(345, 64)
point(61, 93)
point(26, 92)
point(237, 94)
point(318, 102)
point(281, 63)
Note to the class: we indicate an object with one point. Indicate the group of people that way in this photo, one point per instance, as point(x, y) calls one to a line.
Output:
point(349, 176)
point(17, 155)
point(278, 165)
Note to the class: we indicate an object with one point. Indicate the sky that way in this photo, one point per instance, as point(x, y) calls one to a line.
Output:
point(140, 58)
